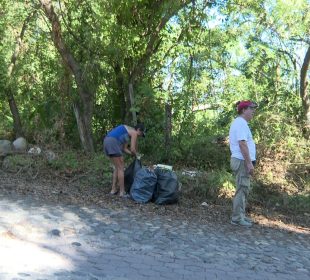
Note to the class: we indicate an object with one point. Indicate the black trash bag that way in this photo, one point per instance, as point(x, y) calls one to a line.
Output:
point(143, 186)
point(167, 187)
point(130, 173)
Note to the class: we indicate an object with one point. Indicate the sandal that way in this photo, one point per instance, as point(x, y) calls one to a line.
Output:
point(125, 196)
point(113, 193)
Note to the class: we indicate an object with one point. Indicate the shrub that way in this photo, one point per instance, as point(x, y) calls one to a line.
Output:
point(216, 186)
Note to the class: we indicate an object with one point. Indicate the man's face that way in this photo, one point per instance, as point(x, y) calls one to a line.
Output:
point(248, 113)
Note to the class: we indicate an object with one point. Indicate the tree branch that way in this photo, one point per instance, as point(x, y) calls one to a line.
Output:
point(154, 40)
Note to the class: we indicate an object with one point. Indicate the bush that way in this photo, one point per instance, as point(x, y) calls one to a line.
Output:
point(216, 187)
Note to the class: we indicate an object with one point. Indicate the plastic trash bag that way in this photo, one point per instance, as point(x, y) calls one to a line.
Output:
point(143, 186)
point(167, 187)
point(130, 173)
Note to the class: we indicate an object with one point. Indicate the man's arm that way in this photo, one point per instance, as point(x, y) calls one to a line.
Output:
point(246, 155)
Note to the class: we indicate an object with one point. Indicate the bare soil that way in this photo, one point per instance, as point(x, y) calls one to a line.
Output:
point(72, 190)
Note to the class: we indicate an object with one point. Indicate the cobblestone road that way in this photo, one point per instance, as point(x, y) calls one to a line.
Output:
point(46, 241)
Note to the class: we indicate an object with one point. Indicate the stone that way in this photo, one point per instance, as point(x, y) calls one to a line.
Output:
point(5, 147)
point(55, 232)
point(35, 151)
point(20, 144)
point(50, 155)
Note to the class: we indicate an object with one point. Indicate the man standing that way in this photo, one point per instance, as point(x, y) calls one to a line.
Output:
point(243, 156)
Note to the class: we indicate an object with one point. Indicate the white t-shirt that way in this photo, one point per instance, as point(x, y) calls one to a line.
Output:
point(239, 130)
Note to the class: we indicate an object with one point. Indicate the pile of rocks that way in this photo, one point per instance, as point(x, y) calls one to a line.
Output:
point(20, 145)
point(8, 147)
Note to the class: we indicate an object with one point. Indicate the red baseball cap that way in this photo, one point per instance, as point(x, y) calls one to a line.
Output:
point(245, 104)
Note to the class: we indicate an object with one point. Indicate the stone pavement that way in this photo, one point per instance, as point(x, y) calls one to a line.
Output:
point(49, 241)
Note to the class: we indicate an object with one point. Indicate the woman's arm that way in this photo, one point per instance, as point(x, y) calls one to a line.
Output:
point(126, 150)
point(134, 143)
point(133, 140)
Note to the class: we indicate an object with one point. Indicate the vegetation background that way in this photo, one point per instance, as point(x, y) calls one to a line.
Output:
point(73, 69)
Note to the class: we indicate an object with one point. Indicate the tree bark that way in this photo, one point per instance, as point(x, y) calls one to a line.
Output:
point(121, 88)
point(80, 124)
point(168, 126)
point(132, 103)
point(17, 124)
point(305, 99)
point(83, 109)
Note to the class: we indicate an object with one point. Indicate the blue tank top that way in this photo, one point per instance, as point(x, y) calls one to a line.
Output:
point(120, 133)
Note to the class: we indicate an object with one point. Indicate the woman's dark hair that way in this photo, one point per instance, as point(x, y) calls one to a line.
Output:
point(140, 126)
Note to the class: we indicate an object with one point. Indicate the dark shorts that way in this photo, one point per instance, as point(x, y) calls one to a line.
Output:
point(112, 148)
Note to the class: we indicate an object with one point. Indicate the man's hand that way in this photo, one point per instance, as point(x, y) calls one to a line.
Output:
point(246, 155)
point(250, 168)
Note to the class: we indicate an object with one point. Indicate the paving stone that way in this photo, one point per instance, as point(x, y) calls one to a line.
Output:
point(72, 242)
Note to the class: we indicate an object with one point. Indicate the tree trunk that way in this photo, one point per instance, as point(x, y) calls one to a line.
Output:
point(84, 108)
point(17, 124)
point(168, 128)
point(132, 103)
point(121, 88)
point(65, 86)
point(82, 128)
point(305, 99)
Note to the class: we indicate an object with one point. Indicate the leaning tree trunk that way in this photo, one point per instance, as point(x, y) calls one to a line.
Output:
point(83, 109)
point(17, 124)
point(81, 125)
point(119, 102)
point(305, 99)
point(132, 103)
point(168, 127)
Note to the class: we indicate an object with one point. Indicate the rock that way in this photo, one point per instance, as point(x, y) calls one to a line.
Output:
point(5, 147)
point(50, 155)
point(55, 232)
point(35, 151)
point(20, 144)
point(189, 173)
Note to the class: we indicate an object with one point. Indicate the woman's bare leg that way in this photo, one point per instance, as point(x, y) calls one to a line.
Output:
point(114, 188)
point(118, 163)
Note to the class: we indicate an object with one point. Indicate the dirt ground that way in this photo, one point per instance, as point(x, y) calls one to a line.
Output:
point(72, 191)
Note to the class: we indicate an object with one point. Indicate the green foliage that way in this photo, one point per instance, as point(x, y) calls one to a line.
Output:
point(67, 160)
point(204, 59)
point(215, 187)
point(298, 203)
point(92, 170)
point(24, 164)
point(273, 196)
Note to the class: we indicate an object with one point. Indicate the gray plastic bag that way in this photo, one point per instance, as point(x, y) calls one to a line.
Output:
point(130, 173)
point(143, 186)
point(167, 187)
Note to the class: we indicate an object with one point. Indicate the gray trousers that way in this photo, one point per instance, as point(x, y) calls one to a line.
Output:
point(242, 188)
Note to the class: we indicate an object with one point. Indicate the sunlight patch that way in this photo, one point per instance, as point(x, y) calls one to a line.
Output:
point(19, 256)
